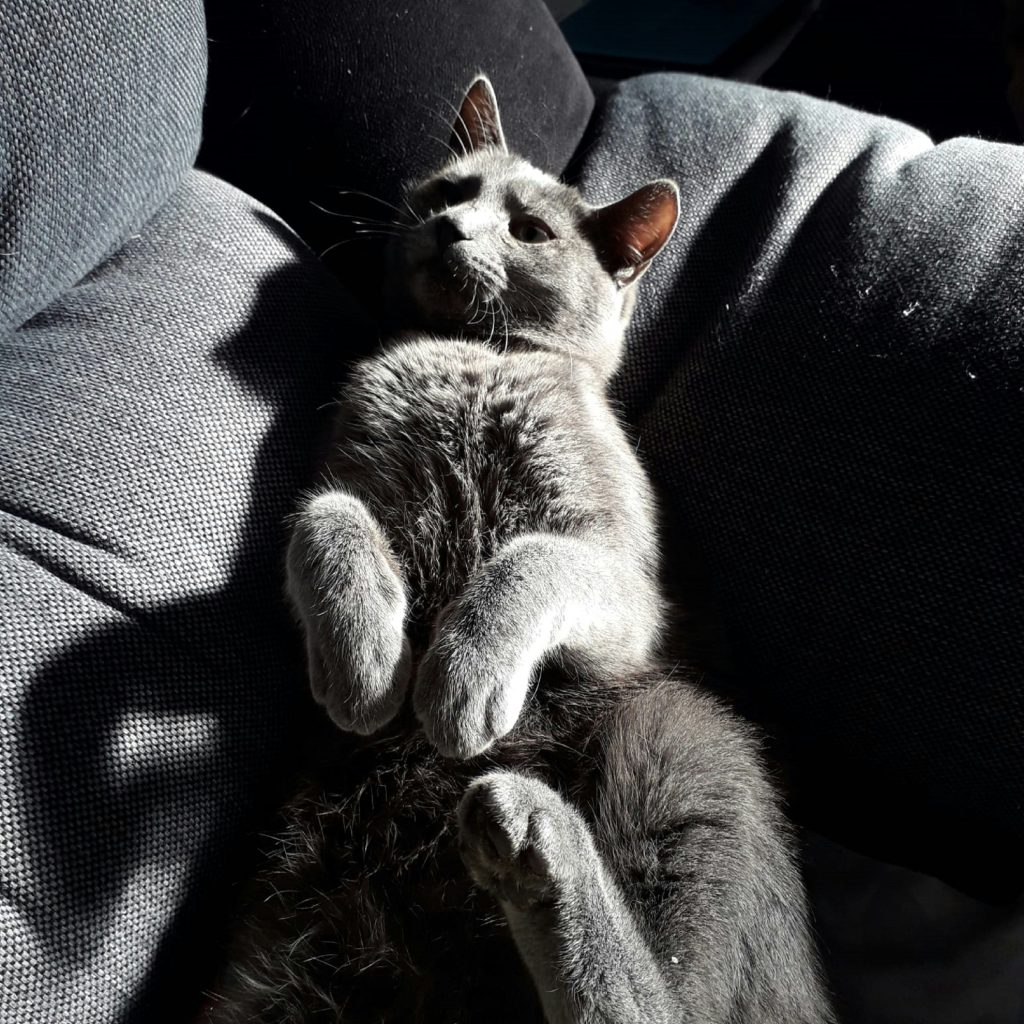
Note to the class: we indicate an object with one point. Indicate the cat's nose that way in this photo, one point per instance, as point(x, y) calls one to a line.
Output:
point(448, 233)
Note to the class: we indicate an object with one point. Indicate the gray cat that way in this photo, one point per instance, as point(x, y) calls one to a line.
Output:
point(478, 588)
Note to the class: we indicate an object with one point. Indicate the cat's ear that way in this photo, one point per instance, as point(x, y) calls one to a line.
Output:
point(478, 125)
point(630, 233)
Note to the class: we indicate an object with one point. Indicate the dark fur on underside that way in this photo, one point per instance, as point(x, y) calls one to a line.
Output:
point(366, 907)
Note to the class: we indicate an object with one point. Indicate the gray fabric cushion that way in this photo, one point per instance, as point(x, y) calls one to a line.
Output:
point(827, 374)
point(155, 430)
point(826, 382)
point(100, 114)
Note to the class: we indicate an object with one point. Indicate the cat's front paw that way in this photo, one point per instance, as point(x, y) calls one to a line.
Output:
point(520, 840)
point(352, 605)
point(361, 683)
point(469, 694)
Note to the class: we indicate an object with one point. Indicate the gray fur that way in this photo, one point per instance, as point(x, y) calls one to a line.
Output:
point(486, 539)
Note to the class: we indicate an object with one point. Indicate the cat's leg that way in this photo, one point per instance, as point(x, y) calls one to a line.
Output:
point(689, 825)
point(347, 590)
point(540, 595)
point(677, 899)
point(533, 851)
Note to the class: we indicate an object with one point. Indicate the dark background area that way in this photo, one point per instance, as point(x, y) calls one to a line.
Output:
point(943, 66)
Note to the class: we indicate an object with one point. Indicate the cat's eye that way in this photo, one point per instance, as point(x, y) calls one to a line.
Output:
point(530, 229)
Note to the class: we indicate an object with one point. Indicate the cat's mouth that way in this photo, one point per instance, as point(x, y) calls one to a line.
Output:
point(457, 285)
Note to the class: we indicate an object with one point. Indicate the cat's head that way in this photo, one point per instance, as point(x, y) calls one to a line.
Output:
point(498, 249)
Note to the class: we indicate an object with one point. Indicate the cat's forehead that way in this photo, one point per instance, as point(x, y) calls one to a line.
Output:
point(503, 175)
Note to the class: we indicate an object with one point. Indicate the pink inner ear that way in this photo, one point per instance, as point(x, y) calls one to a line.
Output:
point(628, 234)
point(478, 124)
point(650, 219)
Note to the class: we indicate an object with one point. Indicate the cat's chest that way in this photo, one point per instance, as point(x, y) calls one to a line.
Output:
point(455, 450)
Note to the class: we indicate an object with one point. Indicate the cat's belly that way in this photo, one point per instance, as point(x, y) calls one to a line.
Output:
point(366, 904)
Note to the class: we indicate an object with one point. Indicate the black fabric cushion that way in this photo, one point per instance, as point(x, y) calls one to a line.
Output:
point(826, 370)
point(905, 948)
point(155, 429)
point(100, 114)
point(310, 100)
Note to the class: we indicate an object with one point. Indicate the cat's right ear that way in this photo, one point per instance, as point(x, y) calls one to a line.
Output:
point(630, 233)
point(478, 125)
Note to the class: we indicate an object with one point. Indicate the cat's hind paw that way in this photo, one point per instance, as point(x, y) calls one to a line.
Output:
point(520, 840)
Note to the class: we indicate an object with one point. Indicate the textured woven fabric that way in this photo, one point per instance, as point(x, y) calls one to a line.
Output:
point(826, 375)
point(154, 432)
point(100, 113)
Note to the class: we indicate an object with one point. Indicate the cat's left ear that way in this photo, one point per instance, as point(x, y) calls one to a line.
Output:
point(478, 125)
point(630, 233)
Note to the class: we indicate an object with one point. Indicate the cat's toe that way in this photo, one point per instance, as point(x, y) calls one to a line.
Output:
point(519, 839)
